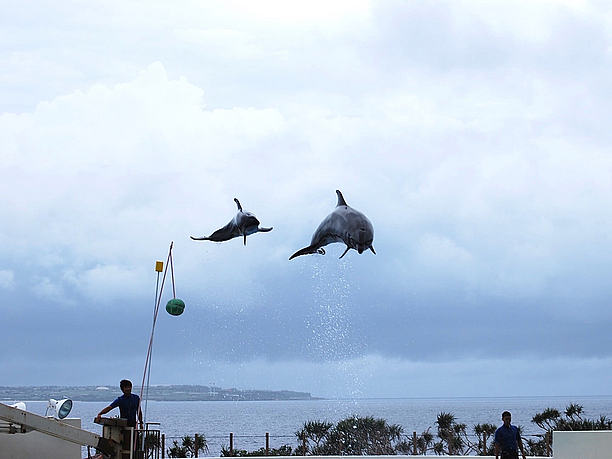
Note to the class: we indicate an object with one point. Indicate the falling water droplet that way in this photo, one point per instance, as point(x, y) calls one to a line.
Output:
point(332, 335)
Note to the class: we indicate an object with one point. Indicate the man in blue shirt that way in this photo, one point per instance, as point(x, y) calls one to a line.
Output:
point(507, 439)
point(128, 403)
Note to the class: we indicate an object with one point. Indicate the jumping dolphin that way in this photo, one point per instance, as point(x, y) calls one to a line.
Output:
point(243, 224)
point(344, 224)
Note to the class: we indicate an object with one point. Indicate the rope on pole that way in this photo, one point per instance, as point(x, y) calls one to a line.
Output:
point(155, 313)
point(172, 273)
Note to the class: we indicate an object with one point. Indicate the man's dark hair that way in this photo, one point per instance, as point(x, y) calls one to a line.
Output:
point(125, 383)
point(506, 413)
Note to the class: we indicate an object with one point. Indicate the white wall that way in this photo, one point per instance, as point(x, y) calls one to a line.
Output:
point(583, 445)
point(36, 445)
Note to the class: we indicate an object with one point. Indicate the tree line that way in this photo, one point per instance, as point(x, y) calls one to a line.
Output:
point(358, 436)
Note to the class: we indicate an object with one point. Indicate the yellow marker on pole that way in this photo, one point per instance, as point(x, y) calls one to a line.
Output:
point(159, 266)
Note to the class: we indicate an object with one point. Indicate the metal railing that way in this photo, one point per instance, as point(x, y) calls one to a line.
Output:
point(267, 442)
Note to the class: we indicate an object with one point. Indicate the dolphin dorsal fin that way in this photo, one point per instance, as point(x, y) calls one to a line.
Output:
point(238, 204)
point(341, 201)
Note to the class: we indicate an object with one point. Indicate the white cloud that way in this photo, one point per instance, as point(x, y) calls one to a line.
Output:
point(7, 279)
point(48, 289)
point(124, 168)
point(116, 166)
point(315, 13)
point(439, 250)
point(224, 42)
point(109, 283)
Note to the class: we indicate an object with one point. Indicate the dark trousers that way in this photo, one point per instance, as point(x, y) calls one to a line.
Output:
point(509, 455)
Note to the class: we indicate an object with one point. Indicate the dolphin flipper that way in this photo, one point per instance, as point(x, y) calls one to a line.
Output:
point(306, 251)
point(264, 230)
point(372, 249)
point(199, 238)
point(347, 249)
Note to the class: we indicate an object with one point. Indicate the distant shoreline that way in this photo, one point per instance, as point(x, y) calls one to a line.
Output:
point(186, 393)
point(183, 393)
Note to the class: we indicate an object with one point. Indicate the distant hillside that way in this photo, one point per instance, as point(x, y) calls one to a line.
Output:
point(166, 393)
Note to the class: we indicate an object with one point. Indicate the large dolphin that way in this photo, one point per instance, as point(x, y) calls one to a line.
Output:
point(344, 224)
point(243, 224)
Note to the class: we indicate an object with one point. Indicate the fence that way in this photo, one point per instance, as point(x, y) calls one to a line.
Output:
point(267, 442)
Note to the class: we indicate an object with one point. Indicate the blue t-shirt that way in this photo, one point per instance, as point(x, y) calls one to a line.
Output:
point(507, 437)
point(128, 407)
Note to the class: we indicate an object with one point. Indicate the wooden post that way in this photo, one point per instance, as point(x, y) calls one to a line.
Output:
point(548, 442)
point(414, 443)
point(267, 443)
point(231, 442)
point(163, 445)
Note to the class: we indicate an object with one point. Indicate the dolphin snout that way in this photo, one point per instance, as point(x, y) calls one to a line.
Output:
point(365, 240)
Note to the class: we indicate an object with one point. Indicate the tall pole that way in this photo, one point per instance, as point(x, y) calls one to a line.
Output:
point(158, 267)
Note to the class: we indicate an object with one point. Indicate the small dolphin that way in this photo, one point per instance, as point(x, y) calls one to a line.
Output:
point(344, 224)
point(243, 224)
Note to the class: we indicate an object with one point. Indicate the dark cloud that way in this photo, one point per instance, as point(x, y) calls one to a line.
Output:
point(324, 316)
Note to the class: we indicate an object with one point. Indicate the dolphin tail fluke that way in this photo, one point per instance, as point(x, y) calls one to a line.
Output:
point(372, 249)
point(347, 249)
point(238, 204)
point(199, 238)
point(304, 251)
point(341, 201)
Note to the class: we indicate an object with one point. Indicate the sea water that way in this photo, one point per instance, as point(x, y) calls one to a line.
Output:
point(250, 420)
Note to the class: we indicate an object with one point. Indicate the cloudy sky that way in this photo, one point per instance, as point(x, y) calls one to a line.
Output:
point(474, 135)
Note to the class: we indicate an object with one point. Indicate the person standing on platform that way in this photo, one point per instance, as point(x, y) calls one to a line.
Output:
point(128, 403)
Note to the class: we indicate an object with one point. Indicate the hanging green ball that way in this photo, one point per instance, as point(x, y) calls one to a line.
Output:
point(175, 307)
